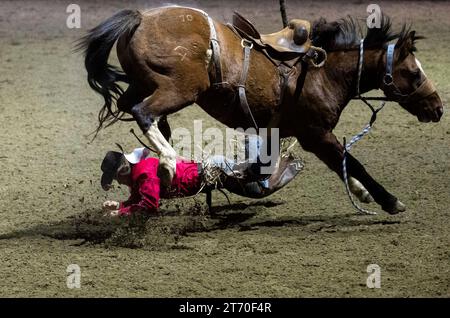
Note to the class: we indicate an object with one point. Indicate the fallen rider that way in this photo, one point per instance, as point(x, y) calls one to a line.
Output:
point(139, 173)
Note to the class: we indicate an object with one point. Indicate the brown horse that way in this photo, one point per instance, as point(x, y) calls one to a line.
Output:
point(166, 56)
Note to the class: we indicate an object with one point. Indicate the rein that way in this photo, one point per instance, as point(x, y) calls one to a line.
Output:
point(366, 129)
point(141, 142)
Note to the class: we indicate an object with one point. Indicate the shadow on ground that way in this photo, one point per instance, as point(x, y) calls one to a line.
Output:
point(165, 230)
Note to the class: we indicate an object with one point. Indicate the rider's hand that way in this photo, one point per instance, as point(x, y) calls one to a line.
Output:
point(111, 213)
point(110, 205)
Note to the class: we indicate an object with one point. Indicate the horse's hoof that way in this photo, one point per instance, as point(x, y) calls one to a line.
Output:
point(395, 208)
point(399, 206)
point(165, 174)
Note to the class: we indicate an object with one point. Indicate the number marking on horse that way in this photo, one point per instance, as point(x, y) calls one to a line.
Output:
point(187, 17)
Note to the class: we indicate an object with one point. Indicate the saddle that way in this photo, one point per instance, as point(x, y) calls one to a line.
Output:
point(285, 49)
point(295, 38)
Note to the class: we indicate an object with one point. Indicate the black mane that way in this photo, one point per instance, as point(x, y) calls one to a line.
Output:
point(345, 34)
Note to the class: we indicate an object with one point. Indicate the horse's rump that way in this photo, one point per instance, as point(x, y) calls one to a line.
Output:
point(165, 49)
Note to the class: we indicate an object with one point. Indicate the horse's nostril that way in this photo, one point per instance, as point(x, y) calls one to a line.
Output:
point(440, 111)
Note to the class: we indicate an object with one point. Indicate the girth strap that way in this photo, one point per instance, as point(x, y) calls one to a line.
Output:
point(218, 80)
point(215, 47)
point(247, 45)
point(215, 52)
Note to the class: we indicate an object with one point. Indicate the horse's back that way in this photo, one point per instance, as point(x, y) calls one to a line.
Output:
point(171, 49)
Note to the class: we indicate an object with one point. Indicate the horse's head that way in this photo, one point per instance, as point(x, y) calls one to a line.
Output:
point(407, 83)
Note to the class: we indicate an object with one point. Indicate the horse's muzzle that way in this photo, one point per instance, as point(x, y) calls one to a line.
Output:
point(440, 112)
point(433, 115)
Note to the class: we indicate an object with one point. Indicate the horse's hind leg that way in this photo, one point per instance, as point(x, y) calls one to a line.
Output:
point(147, 114)
point(133, 96)
point(129, 98)
point(172, 82)
point(164, 127)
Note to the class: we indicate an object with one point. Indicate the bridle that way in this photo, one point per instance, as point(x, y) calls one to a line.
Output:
point(391, 91)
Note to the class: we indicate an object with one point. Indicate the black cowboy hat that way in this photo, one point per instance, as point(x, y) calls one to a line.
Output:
point(111, 163)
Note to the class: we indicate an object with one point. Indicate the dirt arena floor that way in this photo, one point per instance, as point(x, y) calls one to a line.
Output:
point(304, 241)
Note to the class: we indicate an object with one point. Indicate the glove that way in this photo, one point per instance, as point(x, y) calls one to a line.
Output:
point(110, 206)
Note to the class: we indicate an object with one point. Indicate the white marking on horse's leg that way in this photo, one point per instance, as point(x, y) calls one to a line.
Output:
point(420, 66)
point(399, 206)
point(359, 191)
point(167, 162)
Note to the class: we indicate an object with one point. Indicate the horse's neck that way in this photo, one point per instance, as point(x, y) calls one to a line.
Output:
point(342, 70)
point(373, 70)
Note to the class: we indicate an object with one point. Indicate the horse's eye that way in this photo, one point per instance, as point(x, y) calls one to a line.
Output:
point(410, 74)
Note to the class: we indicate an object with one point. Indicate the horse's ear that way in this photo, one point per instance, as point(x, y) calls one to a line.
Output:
point(323, 32)
point(407, 44)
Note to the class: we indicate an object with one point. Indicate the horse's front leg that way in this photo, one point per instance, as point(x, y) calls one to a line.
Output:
point(359, 190)
point(327, 148)
point(388, 202)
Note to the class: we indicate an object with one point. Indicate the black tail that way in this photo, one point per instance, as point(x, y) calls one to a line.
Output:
point(103, 77)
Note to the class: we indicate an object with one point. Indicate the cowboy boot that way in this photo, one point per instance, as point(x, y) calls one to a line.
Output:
point(286, 170)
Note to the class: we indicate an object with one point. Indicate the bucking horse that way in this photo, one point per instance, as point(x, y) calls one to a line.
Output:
point(172, 57)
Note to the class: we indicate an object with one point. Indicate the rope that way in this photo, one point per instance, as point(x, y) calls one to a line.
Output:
point(141, 142)
point(347, 148)
point(360, 66)
point(283, 13)
point(358, 137)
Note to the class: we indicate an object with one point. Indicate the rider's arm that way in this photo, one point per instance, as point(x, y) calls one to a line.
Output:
point(145, 197)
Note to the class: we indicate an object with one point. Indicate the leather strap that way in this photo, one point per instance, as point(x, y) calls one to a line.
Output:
point(389, 63)
point(241, 86)
point(216, 53)
point(285, 72)
point(301, 80)
point(424, 90)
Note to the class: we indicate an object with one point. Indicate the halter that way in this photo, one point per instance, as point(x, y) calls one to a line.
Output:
point(391, 91)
